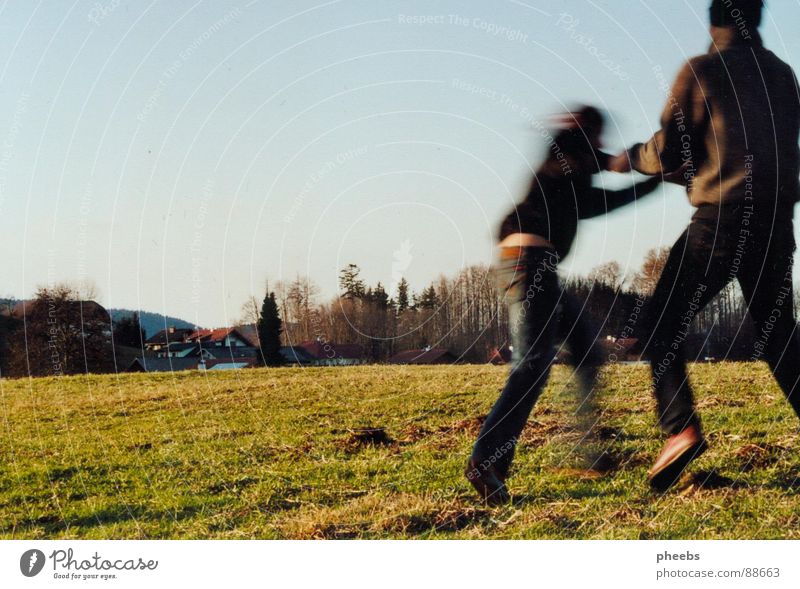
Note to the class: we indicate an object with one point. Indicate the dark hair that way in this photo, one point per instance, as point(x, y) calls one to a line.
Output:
point(579, 124)
point(729, 13)
point(592, 119)
point(574, 139)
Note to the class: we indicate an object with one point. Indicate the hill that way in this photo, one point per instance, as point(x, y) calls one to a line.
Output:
point(275, 453)
point(151, 322)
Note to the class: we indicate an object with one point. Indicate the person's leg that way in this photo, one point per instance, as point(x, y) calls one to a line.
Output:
point(697, 268)
point(580, 334)
point(532, 292)
point(695, 271)
point(766, 284)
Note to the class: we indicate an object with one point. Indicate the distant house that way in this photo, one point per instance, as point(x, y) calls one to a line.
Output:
point(229, 353)
point(424, 356)
point(174, 342)
point(250, 333)
point(148, 364)
point(231, 363)
point(333, 354)
point(224, 337)
point(230, 366)
point(297, 356)
point(206, 351)
point(167, 336)
point(178, 350)
point(174, 349)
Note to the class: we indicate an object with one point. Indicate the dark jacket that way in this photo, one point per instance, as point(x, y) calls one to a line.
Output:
point(733, 117)
point(556, 201)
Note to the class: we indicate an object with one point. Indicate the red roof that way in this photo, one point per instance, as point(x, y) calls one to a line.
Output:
point(427, 356)
point(322, 350)
point(217, 335)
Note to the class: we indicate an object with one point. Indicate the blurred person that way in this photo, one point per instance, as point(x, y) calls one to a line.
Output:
point(534, 237)
point(732, 120)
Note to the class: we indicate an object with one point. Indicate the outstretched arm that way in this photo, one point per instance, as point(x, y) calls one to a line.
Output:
point(678, 140)
point(602, 201)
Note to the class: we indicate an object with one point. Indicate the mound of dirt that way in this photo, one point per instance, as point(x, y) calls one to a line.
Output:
point(758, 455)
point(366, 437)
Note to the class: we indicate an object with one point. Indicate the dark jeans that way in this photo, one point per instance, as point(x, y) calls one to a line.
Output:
point(714, 250)
point(540, 314)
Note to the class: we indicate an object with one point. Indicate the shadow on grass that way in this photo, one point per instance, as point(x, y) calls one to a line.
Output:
point(449, 520)
point(53, 524)
point(579, 488)
point(712, 480)
point(788, 482)
point(703, 480)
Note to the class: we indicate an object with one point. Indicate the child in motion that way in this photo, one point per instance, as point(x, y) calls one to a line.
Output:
point(533, 238)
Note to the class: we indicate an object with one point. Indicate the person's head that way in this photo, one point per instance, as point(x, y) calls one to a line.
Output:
point(578, 140)
point(732, 13)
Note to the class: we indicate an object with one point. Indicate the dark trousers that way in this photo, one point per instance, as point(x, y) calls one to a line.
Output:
point(540, 314)
point(714, 250)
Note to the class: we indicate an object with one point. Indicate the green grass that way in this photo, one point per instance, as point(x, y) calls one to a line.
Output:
point(268, 454)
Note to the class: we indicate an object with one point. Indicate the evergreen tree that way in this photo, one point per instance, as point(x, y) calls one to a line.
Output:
point(428, 299)
point(402, 295)
point(270, 327)
point(351, 286)
point(379, 297)
point(128, 332)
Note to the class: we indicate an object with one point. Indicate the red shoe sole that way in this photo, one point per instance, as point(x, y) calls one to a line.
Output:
point(672, 471)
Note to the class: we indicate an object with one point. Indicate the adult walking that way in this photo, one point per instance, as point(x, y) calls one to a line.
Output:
point(732, 121)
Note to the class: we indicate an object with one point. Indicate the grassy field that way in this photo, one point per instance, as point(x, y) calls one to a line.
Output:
point(271, 454)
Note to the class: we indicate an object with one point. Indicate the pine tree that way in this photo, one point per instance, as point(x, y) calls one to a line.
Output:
point(270, 327)
point(379, 297)
point(351, 286)
point(402, 295)
point(428, 299)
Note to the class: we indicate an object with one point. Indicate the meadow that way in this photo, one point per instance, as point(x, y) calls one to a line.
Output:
point(283, 454)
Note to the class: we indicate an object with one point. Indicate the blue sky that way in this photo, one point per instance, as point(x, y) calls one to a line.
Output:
point(178, 154)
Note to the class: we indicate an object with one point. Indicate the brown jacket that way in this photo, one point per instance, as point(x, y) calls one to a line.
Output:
point(733, 118)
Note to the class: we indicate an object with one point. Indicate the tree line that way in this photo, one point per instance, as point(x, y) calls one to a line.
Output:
point(464, 313)
point(61, 332)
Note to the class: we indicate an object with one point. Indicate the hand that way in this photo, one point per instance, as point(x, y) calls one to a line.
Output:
point(620, 163)
point(679, 176)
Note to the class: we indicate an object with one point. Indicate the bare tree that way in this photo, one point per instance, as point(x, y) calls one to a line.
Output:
point(609, 274)
point(644, 282)
point(250, 312)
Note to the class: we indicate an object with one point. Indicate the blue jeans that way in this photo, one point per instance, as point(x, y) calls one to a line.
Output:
point(541, 314)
